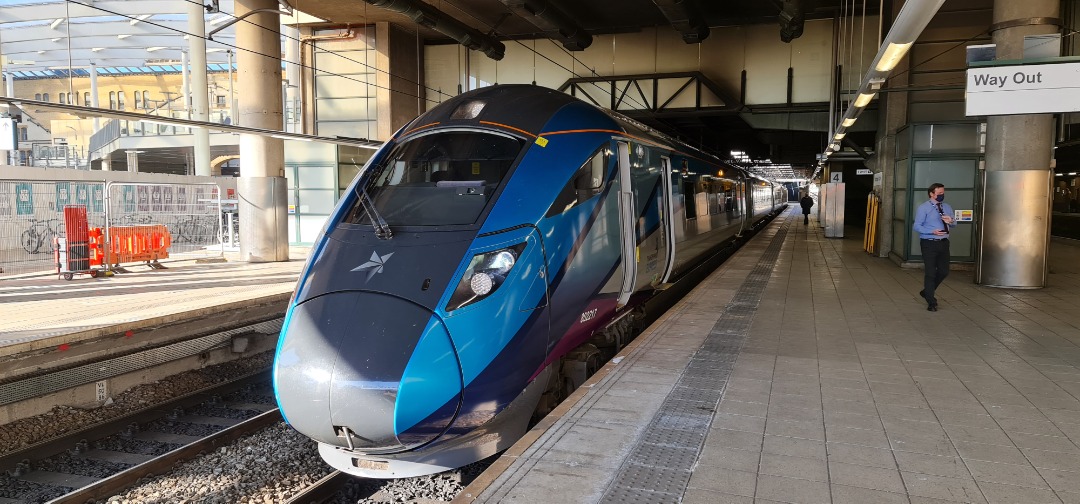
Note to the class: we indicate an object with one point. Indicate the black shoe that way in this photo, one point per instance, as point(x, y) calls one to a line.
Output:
point(932, 307)
point(922, 294)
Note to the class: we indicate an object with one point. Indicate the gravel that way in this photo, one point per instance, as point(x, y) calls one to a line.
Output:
point(62, 419)
point(267, 467)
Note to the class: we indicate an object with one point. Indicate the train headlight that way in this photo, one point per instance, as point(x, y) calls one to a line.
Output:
point(486, 272)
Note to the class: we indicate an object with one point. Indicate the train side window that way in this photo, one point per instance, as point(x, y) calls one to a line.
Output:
point(586, 182)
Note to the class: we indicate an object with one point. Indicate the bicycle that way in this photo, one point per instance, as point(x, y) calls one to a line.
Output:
point(41, 232)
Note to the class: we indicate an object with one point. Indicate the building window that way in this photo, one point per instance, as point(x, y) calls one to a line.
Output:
point(221, 100)
point(86, 99)
point(121, 95)
point(72, 98)
point(145, 98)
point(112, 100)
point(23, 135)
point(45, 97)
point(37, 96)
point(138, 101)
point(63, 99)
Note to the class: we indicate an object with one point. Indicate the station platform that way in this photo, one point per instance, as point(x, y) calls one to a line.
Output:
point(57, 320)
point(804, 370)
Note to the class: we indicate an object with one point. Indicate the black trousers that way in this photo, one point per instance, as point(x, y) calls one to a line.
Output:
point(806, 218)
point(935, 254)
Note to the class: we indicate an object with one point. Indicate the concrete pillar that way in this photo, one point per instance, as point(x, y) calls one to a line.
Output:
point(261, 187)
point(106, 163)
point(1016, 208)
point(396, 96)
point(200, 103)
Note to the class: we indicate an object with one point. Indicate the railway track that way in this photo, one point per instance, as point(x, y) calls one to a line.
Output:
point(96, 461)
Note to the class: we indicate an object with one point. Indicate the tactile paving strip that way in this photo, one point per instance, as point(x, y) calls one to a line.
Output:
point(38, 386)
point(659, 466)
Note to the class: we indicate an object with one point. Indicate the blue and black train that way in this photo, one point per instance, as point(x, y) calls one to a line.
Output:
point(478, 265)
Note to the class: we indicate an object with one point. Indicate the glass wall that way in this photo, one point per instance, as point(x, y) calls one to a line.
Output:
point(950, 154)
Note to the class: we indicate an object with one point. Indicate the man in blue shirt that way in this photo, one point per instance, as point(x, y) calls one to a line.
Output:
point(933, 221)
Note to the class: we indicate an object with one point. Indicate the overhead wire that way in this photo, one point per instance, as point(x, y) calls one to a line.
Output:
point(300, 43)
point(277, 56)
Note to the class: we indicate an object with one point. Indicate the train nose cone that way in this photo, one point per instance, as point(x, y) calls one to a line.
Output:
point(341, 363)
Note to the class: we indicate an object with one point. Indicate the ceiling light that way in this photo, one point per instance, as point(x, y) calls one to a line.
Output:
point(155, 48)
point(839, 136)
point(218, 20)
point(56, 22)
point(124, 36)
point(848, 122)
point(97, 49)
point(216, 49)
point(863, 99)
point(56, 39)
point(892, 55)
point(142, 17)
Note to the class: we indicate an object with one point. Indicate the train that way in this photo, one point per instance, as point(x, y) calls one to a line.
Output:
point(482, 264)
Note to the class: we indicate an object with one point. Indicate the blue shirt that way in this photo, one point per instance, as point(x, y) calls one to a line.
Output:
point(927, 219)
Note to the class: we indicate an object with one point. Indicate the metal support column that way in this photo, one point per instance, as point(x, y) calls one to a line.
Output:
point(1015, 221)
point(261, 187)
point(200, 103)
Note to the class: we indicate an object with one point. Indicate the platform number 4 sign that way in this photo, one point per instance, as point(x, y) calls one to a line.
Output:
point(837, 177)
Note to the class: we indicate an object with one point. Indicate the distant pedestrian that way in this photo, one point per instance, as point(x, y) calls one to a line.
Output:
point(807, 202)
point(933, 221)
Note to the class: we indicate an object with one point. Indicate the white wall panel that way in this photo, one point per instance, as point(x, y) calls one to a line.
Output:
point(674, 54)
point(635, 53)
point(344, 86)
point(344, 109)
point(767, 60)
point(482, 70)
point(442, 71)
point(517, 66)
point(555, 72)
point(723, 57)
point(598, 57)
point(810, 61)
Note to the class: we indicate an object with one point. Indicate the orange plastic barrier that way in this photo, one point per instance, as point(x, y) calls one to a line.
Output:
point(75, 233)
point(97, 247)
point(138, 243)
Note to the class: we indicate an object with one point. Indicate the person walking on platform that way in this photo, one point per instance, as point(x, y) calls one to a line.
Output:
point(933, 220)
point(807, 202)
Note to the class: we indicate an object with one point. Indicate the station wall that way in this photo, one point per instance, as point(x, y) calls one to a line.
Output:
point(722, 57)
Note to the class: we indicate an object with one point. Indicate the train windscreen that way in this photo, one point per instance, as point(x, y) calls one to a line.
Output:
point(439, 179)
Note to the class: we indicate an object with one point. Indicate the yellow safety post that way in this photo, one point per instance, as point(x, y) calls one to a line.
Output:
point(870, 235)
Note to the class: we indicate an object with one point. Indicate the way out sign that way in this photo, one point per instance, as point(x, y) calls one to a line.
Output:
point(1023, 89)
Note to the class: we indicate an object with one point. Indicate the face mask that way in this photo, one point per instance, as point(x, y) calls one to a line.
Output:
point(940, 198)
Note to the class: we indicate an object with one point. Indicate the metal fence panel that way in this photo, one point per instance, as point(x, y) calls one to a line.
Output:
point(191, 212)
point(32, 214)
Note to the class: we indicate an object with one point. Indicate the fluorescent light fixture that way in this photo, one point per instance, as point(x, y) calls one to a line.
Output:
point(56, 39)
point(142, 17)
point(218, 20)
point(155, 48)
point(56, 22)
point(892, 55)
point(216, 49)
point(839, 136)
point(123, 36)
point(97, 49)
point(863, 99)
point(848, 122)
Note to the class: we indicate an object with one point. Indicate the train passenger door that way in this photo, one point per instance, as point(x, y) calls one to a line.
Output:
point(667, 221)
point(628, 221)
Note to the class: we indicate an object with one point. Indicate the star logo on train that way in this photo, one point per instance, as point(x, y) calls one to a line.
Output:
point(374, 265)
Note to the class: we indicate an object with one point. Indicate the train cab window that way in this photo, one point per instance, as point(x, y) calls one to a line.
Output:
point(439, 179)
point(586, 182)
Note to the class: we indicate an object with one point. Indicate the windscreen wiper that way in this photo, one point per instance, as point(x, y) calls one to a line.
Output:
point(382, 229)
